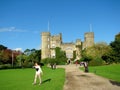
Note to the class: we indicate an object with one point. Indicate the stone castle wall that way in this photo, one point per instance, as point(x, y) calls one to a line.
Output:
point(49, 43)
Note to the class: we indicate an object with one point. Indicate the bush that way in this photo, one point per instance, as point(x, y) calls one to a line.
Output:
point(96, 62)
point(5, 66)
point(53, 60)
point(45, 61)
point(27, 65)
point(60, 61)
point(86, 58)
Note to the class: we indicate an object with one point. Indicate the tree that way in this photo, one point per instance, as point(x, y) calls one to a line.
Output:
point(94, 54)
point(2, 47)
point(38, 55)
point(28, 58)
point(2, 56)
point(60, 56)
point(116, 48)
point(27, 52)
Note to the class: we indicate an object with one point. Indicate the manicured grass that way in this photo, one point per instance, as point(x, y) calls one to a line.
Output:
point(111, 72)
point(22, 79)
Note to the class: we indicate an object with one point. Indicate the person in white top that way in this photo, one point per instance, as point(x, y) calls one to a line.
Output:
point(38, 73)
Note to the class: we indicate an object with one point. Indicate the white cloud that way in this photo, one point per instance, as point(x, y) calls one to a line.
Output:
point(18, 49)
point(14, 29)
point(11, 29)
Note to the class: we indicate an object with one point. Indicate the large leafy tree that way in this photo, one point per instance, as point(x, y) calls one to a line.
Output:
point(116, 48)
point(94, 54)
point(7, 55)
point(28, 58)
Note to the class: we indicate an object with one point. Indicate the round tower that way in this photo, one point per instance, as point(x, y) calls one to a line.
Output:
point(45, 48)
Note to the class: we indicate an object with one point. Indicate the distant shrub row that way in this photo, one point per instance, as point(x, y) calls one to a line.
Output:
point(53, 60)
point(9, 66)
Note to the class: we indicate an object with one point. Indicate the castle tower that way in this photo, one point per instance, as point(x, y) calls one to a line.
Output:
point(88, 39)
point(45, 36)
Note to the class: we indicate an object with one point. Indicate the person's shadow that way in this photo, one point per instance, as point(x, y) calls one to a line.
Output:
point(47, 80)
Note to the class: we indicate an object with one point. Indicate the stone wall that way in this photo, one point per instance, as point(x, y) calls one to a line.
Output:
point(49, 43)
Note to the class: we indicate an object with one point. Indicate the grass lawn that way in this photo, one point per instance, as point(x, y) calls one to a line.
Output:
point(111, 72)
point(22, 79)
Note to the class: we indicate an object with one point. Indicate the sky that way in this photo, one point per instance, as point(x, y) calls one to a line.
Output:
point(22, 21)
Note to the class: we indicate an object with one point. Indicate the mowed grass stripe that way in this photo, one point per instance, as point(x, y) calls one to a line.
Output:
point(22, 79)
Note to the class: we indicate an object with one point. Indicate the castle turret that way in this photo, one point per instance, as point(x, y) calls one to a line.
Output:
point(45, 36)
point(89, 39)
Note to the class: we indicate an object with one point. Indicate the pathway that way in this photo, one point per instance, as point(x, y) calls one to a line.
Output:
point(78, 80)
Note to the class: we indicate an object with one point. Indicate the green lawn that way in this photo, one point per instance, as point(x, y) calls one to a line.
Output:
point(111, 72)
point(22, 79)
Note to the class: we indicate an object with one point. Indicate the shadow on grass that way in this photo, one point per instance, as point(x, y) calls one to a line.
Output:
point(47, 80)
point(115, 83)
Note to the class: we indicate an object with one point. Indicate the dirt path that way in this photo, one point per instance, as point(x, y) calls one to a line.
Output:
point(78, 80)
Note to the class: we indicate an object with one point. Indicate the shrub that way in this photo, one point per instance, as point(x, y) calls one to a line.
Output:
point(58, 61)
point(96, 62)
point(5, 66)
point(27, 64)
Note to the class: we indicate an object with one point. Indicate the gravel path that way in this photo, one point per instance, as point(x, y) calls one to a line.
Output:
point(78, 80)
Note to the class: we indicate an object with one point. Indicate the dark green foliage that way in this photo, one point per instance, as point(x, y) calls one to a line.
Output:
point(86, 58)
point(98, 54)
point(74, 55)
point(59, 59)
point(27, 65)
point(59, 53)
point(2, 47)
point(116, 49)
point(20, 59)
point(60, 56)
point(108, 58)
point(96, 62)
point(45, 61)
point(5, 66)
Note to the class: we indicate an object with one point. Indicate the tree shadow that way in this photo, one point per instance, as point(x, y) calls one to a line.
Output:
point(47, 80)
point(115, 83)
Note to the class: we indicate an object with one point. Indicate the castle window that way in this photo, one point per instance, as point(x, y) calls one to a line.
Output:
point(48, 39)
point(48, 46)
point(53, 45)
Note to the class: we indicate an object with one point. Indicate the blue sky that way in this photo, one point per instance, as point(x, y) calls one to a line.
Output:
point(22, 21)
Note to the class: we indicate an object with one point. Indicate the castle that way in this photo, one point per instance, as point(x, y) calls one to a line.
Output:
point(49, 43)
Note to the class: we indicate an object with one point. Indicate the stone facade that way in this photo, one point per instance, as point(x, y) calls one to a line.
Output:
point(50, 42)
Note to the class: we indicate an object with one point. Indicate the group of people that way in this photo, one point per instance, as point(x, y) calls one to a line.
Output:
point(53, 65)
